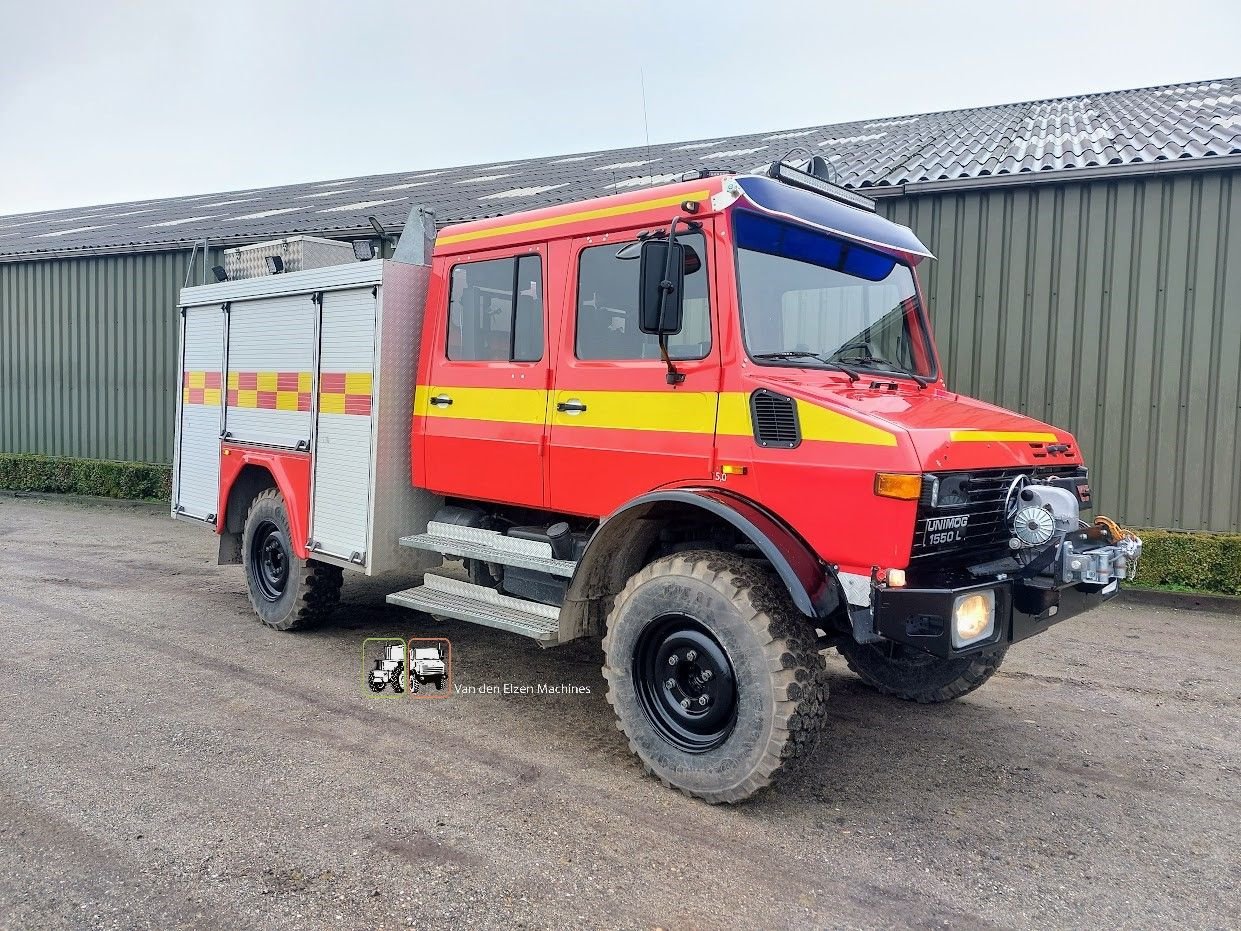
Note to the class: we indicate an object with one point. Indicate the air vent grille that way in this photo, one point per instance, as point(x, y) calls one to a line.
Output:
point(775, 420)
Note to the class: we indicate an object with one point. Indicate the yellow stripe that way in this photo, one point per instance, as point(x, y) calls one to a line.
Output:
point(331, 403)
point(817, 423)
point(502, 405)
point(667, 411)
point(596, 214)
point(1000, 436)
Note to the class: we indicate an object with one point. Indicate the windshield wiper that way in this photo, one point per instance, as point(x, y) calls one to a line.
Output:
point(803, 354)
point(890, 366)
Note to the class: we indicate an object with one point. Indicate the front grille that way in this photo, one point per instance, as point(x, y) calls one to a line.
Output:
point(981, 493)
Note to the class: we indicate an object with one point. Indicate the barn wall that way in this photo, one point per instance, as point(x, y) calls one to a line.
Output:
point(1111, 308)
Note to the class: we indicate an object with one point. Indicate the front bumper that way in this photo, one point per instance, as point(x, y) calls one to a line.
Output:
point(922, 617)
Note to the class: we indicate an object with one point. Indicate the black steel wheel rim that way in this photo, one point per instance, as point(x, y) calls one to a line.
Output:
point(685, 683)
point(270, 555)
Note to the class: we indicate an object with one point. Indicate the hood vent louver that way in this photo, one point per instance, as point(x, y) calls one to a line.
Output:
point(774, 417)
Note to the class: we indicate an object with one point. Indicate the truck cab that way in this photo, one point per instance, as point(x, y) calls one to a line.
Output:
point(707, 423)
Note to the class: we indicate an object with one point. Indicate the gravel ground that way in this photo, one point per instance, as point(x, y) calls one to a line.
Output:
point(166, 761)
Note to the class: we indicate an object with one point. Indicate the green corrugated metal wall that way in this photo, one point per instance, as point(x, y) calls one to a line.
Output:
point(88, 356)
point(1112, 308)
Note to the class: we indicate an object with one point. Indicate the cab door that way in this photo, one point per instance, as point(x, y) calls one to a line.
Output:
point(618, 429)
point(485, 408)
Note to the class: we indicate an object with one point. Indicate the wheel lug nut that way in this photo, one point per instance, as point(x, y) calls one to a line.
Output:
point(672, 660)
point(702, 700)
point(691, 655)
point(685, 703)
point(706, 675)
point(670, 682)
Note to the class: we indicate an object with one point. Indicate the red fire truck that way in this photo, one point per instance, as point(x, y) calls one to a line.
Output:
point(705, 422)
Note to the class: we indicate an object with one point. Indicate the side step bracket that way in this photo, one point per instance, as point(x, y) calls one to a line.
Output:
point(465, 601)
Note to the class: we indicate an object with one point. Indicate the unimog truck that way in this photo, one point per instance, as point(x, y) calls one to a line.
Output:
point(428, 668)
point(703, 423)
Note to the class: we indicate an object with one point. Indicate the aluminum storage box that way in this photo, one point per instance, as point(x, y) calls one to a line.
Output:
point(298, 253)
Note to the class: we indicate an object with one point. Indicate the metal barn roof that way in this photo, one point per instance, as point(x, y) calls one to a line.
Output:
point(1093, 134)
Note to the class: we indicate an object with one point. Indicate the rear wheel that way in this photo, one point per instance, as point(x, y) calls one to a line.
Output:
point(285, 592)
point(714, 676)
point(912, 675)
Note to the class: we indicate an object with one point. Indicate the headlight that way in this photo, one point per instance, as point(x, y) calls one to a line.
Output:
point(973, 617)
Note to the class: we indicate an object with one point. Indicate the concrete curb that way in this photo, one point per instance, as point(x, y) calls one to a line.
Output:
point(128, 504)
point(1188, 601)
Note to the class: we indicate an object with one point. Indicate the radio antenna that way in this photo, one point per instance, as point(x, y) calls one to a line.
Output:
point(646, 125)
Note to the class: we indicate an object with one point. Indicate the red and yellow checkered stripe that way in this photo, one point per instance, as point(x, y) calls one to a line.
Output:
point(339, 392)
point(345, 393)
point(201, 388)
point(270, 391)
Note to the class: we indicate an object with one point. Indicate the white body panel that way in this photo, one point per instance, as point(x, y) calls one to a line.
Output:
point(272, 340)
point(356, 349)
point(340, 515)
point(196, 465)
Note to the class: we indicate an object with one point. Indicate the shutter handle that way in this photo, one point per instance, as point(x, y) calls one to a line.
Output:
point(571, 406)
point(441, 400)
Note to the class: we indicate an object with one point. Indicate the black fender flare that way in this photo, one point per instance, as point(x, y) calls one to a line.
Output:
point(610, 555)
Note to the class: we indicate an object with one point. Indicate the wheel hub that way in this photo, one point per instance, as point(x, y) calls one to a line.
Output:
point(685, 683)
point(270, 556)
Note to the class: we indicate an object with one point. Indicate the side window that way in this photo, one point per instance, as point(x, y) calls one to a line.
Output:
point(495, 311)
point(607, 307)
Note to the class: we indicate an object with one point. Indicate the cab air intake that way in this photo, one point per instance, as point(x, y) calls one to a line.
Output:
point(775, 420)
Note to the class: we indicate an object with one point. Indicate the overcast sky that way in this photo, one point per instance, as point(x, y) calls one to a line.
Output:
point(103, 102)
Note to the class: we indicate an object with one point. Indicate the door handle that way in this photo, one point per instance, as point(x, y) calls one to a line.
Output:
point(571, 406)
point(441, 400)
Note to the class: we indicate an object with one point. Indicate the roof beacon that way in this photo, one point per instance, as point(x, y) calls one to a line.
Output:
point(813, 176)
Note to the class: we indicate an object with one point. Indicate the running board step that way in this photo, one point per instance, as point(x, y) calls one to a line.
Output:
point(490, 546)
point(479, 605)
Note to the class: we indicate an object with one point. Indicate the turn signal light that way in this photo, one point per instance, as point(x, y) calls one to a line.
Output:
point(898, 485)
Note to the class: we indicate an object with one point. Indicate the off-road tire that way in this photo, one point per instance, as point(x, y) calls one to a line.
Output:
point(781, 687)
point(911, 675)
point(311, 590)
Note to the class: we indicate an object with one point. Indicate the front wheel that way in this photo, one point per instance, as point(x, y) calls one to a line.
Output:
point(286, 592)
point(912, 675)
point(714, 676)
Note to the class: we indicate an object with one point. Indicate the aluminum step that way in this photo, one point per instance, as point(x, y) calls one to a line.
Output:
point(474, 603)
point(490, 546)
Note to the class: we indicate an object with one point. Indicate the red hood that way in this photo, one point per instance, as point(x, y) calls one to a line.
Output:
point(947, 430)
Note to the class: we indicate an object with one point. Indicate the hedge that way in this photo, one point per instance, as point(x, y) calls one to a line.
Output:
point(1200, 562)
point(133, 480)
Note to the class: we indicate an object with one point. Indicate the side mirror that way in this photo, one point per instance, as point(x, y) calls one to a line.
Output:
point(656, 264)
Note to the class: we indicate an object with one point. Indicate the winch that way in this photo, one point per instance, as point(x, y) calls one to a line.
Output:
point(1095, 554)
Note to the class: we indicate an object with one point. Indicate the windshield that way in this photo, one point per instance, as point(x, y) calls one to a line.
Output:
point(808, 298)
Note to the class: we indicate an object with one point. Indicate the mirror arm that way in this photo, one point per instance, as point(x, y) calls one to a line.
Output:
point(672, 376)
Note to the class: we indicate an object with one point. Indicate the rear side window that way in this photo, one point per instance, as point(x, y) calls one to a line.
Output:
point(495, 311)
point(607, 307)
